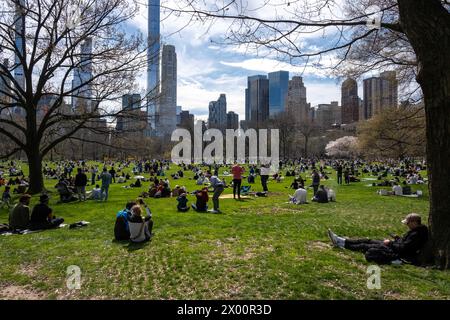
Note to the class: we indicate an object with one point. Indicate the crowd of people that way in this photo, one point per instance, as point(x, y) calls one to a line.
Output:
point(134, 223)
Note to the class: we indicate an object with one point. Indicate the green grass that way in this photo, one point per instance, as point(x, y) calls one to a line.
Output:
point(260, 248)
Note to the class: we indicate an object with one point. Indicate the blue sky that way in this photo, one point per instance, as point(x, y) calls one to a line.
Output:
point(205, 69)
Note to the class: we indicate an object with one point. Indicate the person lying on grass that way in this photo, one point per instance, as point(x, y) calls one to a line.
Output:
point(400, 249)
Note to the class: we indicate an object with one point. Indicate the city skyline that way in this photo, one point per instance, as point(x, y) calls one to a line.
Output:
point(205, 69)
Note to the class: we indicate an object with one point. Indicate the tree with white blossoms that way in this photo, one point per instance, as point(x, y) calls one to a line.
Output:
point(345, 147)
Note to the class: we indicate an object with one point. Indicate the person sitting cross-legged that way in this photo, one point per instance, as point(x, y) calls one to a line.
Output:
point(400, 249)
point(182, 205)
point(19, 218)
point(321, 195)
point(42, 216)
point(140, 228)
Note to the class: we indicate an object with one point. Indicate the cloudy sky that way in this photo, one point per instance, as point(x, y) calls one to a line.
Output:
point(206, 69)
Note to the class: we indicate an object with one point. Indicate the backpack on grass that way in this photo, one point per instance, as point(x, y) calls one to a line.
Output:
point(381, 255)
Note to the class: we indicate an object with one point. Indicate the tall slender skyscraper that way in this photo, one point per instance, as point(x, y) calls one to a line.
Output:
point(82, 95)
point(166, 109)
point(153, 53)
point(19, 76)
point(278, 88)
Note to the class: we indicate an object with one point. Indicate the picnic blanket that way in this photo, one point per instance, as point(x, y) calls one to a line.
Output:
point(230, 196)
point(28, 231)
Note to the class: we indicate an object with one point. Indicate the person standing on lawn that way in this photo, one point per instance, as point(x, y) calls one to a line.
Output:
point(218, 187)
point(106, 181)
point(237, 172)
point(80, 184)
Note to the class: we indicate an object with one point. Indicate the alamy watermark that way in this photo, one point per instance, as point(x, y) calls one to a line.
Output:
point(213, 153)
point(374, 279)
point(73, 280)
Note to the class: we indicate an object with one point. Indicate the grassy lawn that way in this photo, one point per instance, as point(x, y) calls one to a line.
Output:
point(260, 248)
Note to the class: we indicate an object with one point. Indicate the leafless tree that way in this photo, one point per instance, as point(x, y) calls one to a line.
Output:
point(64, 50)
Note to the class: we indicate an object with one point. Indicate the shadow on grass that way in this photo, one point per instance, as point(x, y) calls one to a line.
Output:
point(132, 246)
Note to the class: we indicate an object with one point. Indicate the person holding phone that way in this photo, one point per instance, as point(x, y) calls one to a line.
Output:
point(140, 227)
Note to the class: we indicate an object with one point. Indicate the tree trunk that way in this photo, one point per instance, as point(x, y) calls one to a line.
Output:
point(427, 25)
point(35, 167)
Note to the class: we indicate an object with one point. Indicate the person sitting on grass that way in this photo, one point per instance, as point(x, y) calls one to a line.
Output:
point(140, 228)
point(182, 205)
point(96, 193)
point(331, 194)
point(121, 227)
point(176, 191)
point(397, 190)
point(321, 195)
point(299, 196)
point(400, 249)
point(65, 192)
point(295, 185)
point(6, 197)
point(137, 184)
point(201, 204)
point(42, 216)
point(19, 218)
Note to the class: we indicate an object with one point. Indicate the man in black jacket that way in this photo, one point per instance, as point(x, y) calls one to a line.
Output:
point(404, 248)
point(80, 184)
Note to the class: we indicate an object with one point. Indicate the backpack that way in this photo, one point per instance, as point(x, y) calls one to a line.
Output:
point(121, 227)
point(381, 255)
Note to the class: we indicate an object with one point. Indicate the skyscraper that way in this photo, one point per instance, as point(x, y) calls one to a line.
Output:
point(296, 105)
point(82, 89)
point(259, 102)
point(167, 106)
point(153, 53)
point(380, 93)
point(132, 119)
point(278, 88)
point(327, 115)
point(4, 90)
point(232, 120)
point(248, 98)
point(218, 113)
point(19, 75)
point(349, 101)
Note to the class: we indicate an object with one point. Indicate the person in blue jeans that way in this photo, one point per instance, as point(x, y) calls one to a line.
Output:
point(106, 181)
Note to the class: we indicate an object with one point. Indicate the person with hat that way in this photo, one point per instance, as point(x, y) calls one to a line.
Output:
point(42, 216)
point(404, 249)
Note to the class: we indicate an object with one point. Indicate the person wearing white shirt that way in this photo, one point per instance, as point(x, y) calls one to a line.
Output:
point(264, 173)
point(397, 189)
point(299, 196)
